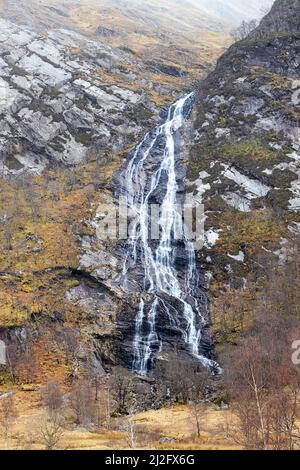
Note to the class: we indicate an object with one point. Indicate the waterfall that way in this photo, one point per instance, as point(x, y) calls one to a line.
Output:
point(157, 259)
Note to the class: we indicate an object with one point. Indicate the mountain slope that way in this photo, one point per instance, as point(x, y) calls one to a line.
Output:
point(170, 38)
point(125, 48)
point(234, 11)
point(245, 157)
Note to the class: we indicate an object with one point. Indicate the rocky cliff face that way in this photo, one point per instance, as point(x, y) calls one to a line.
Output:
point(282, 19)
point(72, 89)
point(245, 159)
point(105, 260)
point(56, 108)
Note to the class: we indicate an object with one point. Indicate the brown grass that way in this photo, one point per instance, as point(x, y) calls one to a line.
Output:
point(167, 429)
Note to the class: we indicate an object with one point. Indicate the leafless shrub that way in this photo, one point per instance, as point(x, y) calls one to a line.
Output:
point(244, 30)
point(83, 403)
point(262, 381)
point(198, 414)
point(129, 427)
point(71, 345)
point(52, 397)
point(121, 390)
point(182, 380)
point(259, 375)
point(7, 414)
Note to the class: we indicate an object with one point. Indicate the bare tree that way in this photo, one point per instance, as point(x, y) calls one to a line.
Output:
point(244, 30)
point(27, 365)
point(285, 431)
point(71, 345)
point(265, 9)
point(108, 406)
point(51, 432)
point(121, 390)
point(83, 403)
point(52, 397)
point(182, 379)
point(30, 196)
point(96, 379)
point(7, 413)
point(129, 427)
point(198, 413)
point(260, 377)
point(9, 230)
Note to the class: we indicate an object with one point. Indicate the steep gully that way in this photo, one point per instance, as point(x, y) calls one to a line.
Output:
point(172, 286)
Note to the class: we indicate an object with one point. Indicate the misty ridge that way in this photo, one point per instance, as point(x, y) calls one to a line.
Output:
point(232, 12)
point(235, 11)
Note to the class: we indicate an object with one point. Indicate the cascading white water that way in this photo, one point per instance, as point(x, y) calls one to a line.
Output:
point(160, 275)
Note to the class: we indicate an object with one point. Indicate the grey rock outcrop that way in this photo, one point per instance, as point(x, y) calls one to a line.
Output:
point(54, 103)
